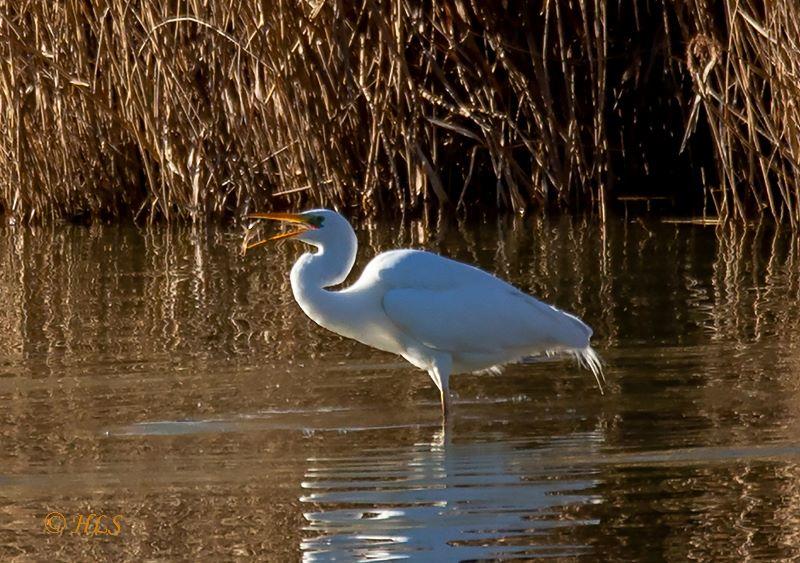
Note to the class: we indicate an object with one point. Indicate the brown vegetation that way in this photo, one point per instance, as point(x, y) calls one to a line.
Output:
point(198, 109)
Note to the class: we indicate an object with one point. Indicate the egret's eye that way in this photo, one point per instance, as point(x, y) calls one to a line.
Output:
point(316, 221)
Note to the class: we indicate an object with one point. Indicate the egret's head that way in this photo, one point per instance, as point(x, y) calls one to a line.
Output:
point(317, 227)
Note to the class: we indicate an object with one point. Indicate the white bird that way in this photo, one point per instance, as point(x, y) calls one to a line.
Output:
point(443, 316)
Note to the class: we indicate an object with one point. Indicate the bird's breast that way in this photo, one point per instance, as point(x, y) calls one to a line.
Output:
point(354, 314)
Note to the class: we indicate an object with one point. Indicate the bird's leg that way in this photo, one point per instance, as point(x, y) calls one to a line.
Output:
point(440, 373)
point(445, 396)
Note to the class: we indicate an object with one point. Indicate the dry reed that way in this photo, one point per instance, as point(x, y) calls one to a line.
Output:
point(744, 61)
point(199, 109)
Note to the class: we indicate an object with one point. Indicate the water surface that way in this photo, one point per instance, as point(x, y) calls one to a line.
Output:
point(158, 375)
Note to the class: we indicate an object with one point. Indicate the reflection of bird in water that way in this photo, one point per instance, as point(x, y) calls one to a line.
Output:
point(441, 315)
point(442, 500)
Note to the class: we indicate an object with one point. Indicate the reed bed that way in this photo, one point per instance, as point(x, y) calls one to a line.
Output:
point(196, 109)
point(747, 81)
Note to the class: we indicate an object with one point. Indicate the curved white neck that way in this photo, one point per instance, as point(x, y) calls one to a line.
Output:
point(325, 267)
point(313, 272)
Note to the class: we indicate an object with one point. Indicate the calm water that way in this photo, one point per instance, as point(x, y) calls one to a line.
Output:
point(159, 376)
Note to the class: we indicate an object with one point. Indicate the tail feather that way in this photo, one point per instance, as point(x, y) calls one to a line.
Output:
point(586, 357)
point(589, 359)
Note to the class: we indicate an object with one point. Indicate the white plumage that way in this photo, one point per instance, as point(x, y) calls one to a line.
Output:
point(441, 315)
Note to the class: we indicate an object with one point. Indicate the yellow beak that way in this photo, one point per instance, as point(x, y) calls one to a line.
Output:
point(286, 218)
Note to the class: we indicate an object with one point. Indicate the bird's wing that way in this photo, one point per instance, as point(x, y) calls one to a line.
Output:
point(485, 317)
point(418, 269)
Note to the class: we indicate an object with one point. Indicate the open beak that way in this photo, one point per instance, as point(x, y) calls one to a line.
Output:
point(286, 218)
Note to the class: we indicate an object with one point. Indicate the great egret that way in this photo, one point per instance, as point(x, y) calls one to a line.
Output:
point(442, 316)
